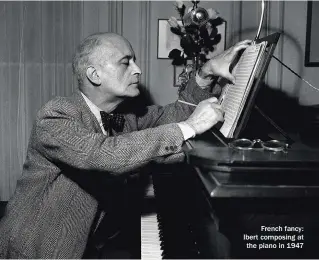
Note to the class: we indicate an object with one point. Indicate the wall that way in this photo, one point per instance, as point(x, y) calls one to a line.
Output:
point(288, 17)
point(293, 50)
point(36, 47)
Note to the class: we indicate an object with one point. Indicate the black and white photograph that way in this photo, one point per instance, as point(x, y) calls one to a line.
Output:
point(159, 129)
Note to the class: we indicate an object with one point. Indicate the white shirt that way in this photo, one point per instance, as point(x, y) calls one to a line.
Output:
point(187, 131)
point(96, 112)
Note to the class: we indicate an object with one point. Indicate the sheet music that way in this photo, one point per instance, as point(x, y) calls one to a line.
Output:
point(234, 96)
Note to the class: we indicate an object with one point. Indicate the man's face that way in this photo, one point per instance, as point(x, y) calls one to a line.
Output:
point(117, 70)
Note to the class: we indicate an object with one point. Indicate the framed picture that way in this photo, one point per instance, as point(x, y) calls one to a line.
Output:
point(168, 41)
point(312, 35)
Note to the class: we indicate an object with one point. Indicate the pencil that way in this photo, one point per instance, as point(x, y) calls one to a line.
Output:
point(187, 103)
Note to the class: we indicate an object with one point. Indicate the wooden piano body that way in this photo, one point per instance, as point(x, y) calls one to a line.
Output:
point(206, 205)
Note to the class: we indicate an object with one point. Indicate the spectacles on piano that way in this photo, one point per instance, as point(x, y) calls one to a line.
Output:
point(257, 144)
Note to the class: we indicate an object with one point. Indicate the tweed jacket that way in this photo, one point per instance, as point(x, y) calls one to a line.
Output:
point(52, 210)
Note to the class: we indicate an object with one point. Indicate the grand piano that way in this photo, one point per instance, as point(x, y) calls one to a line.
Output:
point(206, 206)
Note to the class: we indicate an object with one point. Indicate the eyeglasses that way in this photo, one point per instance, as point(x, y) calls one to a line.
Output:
point(257, 144)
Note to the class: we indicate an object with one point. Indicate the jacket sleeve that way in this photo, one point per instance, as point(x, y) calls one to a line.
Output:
point(61, 137)
point(175, 112)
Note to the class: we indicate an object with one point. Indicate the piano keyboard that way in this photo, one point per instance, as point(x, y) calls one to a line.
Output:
point(150, 238)
point(150, 233)
point(165, 228)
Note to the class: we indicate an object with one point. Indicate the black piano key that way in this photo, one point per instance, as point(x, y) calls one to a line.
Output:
point(176, 236)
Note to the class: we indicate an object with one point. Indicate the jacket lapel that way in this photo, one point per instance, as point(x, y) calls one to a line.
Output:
point(88, 117)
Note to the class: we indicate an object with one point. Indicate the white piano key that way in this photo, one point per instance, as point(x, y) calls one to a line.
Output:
point(150, 239)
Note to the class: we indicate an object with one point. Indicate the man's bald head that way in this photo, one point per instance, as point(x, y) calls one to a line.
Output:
point(96, 49)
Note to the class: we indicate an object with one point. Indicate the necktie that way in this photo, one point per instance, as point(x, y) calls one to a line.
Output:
point(112, 121)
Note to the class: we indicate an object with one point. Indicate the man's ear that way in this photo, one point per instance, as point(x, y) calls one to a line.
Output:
point(93, 76)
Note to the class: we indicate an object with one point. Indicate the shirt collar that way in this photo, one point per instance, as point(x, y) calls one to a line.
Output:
point(95, 110)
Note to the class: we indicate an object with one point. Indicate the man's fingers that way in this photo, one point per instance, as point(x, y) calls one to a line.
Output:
point(216, 106)
point(219, 114)
point(230, 77)
point(212, 100)
point(221, 118)
point(245, 42)
point(242, 45)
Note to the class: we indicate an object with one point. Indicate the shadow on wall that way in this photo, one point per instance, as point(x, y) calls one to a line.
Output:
point(286, 112)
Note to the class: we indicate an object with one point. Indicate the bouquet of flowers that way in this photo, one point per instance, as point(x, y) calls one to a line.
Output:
point(198, 35)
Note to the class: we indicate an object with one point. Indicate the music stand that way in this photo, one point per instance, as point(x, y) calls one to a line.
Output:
point(272, 41)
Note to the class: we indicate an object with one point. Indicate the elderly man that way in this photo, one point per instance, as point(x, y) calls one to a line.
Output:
point(80, 156)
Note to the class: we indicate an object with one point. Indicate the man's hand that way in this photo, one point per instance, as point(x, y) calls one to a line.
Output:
point(205, 116)
point(219, 65)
